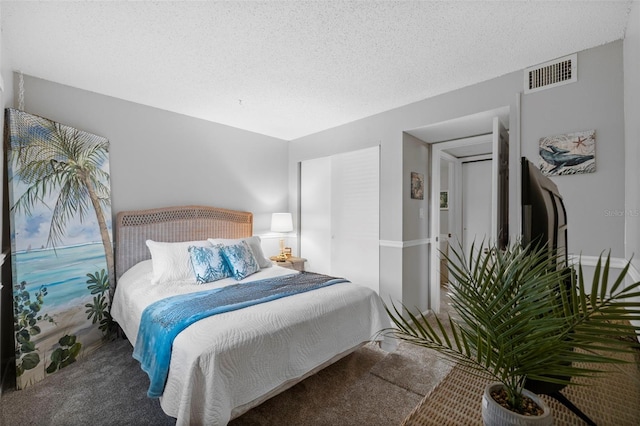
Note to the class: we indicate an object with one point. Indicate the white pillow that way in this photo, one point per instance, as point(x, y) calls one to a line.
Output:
point(254, 243)
point(171, 261)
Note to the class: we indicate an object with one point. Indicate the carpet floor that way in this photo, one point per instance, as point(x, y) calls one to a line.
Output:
point(368, 386)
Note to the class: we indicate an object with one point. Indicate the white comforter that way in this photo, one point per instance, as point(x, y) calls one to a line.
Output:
point(226, 361)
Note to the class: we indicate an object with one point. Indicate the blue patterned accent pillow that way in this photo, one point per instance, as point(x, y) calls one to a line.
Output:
point(208, 264)
point(240, 259)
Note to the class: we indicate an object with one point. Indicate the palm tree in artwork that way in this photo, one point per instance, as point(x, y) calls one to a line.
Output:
point(51, 158)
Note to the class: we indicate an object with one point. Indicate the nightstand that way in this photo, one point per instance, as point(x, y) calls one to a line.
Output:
point(293, 262)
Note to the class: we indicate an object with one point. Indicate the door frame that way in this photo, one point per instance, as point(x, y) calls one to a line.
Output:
point(438, 154)
point(464, 127)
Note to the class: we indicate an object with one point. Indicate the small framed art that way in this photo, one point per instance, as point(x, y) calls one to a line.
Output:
point(417, 186)
point(568, 154)
point(444, 200)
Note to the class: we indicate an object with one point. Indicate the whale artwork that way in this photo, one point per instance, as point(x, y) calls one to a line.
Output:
point(568, 154)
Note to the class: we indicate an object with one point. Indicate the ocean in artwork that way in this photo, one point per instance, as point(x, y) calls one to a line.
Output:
point(63, 271)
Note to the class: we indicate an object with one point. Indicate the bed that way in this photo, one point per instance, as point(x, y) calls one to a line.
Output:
point(226, 364)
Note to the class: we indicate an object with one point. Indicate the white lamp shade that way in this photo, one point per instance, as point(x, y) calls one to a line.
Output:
point(281, 222)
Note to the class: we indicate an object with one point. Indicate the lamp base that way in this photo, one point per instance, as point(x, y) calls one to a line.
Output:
point(282, 257)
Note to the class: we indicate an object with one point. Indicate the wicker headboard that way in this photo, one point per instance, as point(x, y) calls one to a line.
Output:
point(174, 224)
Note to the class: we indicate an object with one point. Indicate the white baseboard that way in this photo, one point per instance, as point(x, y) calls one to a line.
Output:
point(404, 244)
point(615, 262)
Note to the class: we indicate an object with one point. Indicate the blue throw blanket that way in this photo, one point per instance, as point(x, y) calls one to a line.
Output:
point(163, 320)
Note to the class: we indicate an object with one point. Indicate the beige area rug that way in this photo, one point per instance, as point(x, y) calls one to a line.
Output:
point(413, 368)
point(369, 387)
point(612, 399)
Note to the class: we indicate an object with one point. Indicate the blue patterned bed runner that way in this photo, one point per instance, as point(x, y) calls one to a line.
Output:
point(163, 320)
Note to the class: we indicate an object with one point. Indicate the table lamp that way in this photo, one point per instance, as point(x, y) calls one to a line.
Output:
point(281, 222)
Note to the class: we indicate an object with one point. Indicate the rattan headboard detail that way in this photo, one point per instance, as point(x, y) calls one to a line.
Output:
point(174, 224)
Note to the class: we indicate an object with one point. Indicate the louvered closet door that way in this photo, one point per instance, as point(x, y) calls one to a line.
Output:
point(315, 214)
point(353, 194)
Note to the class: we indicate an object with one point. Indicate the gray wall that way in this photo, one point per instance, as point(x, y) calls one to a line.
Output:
point(415, 230)
point(632, 140)
point(386, 129)
point(159, 158)
point(632, 137)
point(594, 102)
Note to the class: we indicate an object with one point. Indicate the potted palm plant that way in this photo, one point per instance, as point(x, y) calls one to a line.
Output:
point(519, 319)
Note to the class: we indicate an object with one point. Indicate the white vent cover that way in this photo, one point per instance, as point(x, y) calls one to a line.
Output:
point(551, 74)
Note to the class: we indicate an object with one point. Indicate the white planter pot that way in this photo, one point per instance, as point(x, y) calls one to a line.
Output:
point(494, 414)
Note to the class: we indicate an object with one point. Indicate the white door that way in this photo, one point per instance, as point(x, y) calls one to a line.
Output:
point(500, 181)
point(448, 227)
point(349, 185)
point(501, 156)
point(355, 216)
point(315, 214)
point(476, 204)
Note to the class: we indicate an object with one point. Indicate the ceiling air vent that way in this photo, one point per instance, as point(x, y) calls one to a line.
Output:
point(551, 74)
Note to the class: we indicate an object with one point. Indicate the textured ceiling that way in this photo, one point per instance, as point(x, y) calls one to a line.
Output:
point(288, 69)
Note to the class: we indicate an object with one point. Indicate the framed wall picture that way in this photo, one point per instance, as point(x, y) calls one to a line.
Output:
point(568, 154)
point(417, 186)
point(444, 200)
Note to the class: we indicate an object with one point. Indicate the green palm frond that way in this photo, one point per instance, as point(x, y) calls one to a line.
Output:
point(516, 318)
point(61, 166)
point(57, 159)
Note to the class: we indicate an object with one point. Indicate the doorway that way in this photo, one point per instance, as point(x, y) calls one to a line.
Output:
point(492, 147)
point(466, 182)
point(483, 133)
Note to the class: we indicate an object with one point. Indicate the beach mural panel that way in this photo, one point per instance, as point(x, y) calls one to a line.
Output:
point(61, 243)
point(568, 154)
